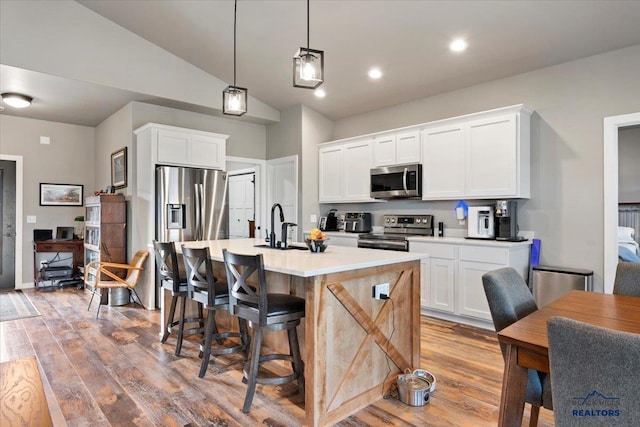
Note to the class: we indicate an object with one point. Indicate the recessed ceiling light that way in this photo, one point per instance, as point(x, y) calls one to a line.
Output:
point(375, 73)
point(16, 100)
point(320, 93)
point(458, 45)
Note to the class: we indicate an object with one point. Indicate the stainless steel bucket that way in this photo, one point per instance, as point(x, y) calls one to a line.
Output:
point(413, 389)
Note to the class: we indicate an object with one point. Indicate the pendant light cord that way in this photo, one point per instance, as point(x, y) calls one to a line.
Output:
point(235, 17)
point(307, 24)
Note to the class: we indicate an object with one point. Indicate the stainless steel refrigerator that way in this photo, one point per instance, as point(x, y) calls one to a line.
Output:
point(191, 204)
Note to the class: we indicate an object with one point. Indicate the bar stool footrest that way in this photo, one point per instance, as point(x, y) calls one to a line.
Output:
point(271, 380)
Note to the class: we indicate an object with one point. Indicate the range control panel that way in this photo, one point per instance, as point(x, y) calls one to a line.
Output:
point(409, 224)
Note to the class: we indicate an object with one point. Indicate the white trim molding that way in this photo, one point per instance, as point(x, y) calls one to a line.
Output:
point(610, 156)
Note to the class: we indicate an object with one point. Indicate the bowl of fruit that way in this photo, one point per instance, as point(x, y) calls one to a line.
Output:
point(317, 241)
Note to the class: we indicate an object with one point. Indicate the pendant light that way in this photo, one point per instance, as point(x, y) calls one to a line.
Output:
point(234, 98)
point(308, 65)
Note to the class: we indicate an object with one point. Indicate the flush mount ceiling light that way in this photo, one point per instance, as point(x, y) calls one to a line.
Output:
point(16, 100)
point(234, 98)
point(458, 45)
point(308, 65)
point(375, 73)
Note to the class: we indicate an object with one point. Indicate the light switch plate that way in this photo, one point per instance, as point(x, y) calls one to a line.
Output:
point(31, 219)
point(314, 218)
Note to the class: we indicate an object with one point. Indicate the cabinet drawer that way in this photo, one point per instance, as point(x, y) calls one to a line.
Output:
point(484, 254)
point(434, 250)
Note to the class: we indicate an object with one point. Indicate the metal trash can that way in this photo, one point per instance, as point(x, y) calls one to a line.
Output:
point(550, 283)
point(118, 296)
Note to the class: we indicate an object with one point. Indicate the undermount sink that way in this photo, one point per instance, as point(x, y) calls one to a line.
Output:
point(266, 245)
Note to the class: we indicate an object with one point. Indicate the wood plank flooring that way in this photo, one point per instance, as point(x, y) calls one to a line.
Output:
point(114, 371)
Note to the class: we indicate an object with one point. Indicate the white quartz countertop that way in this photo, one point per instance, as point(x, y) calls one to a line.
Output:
point(305, 263)
point(469, 242)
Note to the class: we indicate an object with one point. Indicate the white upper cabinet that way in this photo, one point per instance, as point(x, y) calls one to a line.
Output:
point(344, 172)
point(186, 147)
point(481, 156)
point(396, 148)
point(444, 163)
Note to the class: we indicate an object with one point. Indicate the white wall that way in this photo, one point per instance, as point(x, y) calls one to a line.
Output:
point(629, 165)
point(67, 160)
point(570, 101)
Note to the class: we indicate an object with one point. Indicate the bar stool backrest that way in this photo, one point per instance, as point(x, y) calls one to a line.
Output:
point(244, 301)
point(200, 276)
point(167, 263)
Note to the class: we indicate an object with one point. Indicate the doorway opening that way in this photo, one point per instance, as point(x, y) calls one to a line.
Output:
point(11, 191)
point(610, 156)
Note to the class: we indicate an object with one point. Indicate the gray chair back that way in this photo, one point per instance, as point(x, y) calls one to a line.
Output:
point(246, 301)
point(167, 264)
point(594, 374)
point(627, 281)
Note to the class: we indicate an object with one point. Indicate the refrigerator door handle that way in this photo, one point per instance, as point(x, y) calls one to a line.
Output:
point(198, 211)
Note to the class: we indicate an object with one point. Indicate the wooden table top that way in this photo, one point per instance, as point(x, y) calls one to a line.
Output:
point(617, 312)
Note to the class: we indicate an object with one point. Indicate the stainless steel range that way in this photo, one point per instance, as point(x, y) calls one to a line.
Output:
point(397, 228)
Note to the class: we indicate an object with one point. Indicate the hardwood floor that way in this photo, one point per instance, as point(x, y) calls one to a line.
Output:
point(114, 371)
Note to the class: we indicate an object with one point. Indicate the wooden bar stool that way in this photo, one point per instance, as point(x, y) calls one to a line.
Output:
point(173, 281)
point(265, 311)
point(214, 295)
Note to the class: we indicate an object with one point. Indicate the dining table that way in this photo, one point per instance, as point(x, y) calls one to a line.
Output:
point(527, 345)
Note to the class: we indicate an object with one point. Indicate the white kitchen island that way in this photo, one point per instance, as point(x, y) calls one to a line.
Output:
point(347, 335)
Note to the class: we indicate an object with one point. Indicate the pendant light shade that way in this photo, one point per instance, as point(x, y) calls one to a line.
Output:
point(234, 101)
point(16, 100)
point(308, 65)
point(234, 98)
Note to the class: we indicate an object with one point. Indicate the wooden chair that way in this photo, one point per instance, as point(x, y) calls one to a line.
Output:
point(510, 300)
point(97, 272)
point(594, 374)
point(204, 288)
point(175, 282)
point(265, 311)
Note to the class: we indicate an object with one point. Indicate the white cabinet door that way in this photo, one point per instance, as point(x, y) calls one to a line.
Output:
point(444, 163)
point(357, 165)
point(438, 280)
point(384, 150)
point(408, 147)
point(471, 299)
point(442, 282)
point(173, 147)
point(492, 161)
point(330, 179)
point(187, 149)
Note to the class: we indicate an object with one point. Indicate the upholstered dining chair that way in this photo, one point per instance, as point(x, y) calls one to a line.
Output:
point(204, 288)
point(627, 281)
point(174, 281)
point(266, 312)
point(510, 300)
point(104, 275)
point(593, 369)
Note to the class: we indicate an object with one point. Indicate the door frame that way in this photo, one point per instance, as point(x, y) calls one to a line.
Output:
point(18, 283)
point(260, 189)
point(611, 125)
point(246, 171)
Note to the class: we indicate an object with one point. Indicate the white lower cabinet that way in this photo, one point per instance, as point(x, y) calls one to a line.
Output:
point(451, 278)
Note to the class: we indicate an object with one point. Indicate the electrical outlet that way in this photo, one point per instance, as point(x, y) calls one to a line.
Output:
point(381, 289)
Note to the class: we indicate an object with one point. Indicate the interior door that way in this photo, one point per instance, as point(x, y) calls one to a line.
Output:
point(241, 204)
point(7, 224)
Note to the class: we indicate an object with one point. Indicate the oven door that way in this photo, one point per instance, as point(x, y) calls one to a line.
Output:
point(387, 244)
point(396, 182)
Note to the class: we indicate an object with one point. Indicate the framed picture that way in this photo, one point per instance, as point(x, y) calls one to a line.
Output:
point(61, 194)
point(119, 168)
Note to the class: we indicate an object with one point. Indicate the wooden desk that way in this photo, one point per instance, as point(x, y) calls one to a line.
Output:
point(76, 247)
point(528, 347)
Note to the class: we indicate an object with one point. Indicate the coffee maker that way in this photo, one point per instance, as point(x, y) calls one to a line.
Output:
point(506, 221)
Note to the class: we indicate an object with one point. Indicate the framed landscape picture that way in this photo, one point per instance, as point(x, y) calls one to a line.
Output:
point(119, 168)
point(61, 194)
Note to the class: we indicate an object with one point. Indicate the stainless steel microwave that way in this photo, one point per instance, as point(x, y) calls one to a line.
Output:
point(396, 182)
